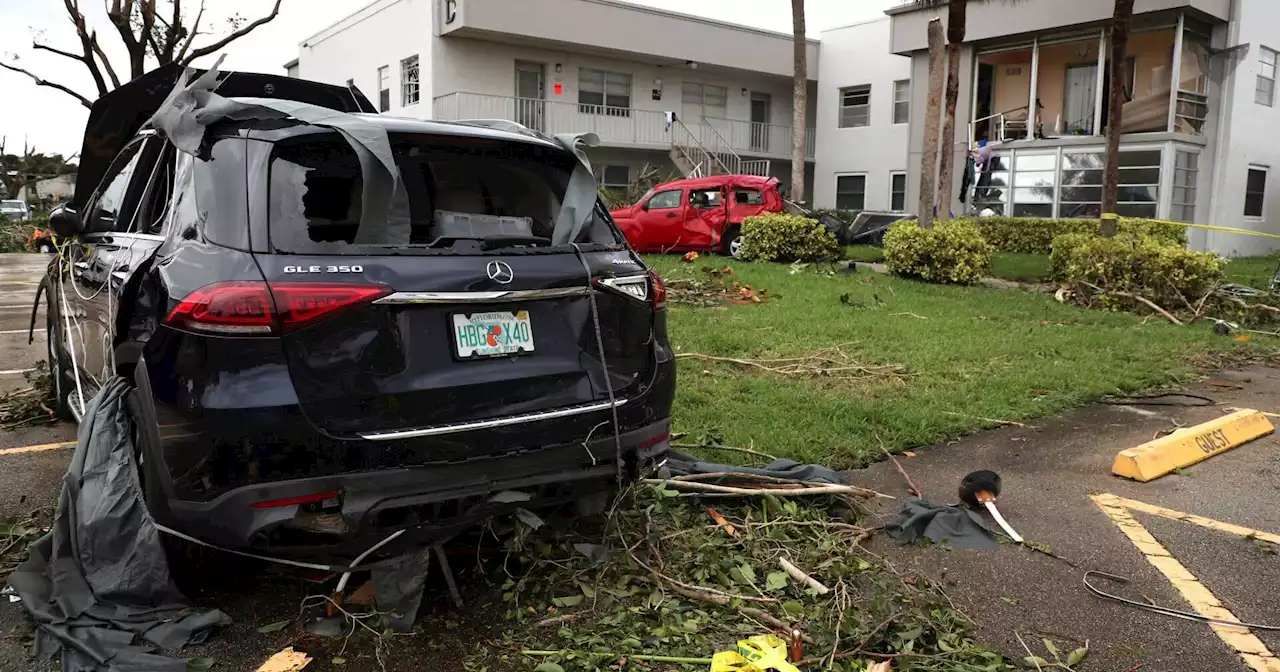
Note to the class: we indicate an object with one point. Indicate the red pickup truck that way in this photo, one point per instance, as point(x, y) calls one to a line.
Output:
point(699, 214)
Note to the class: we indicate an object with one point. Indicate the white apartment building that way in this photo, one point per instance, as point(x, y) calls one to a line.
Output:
point(864, 115)
point(1199, 142)
point(1033, 82)
point(612, 68)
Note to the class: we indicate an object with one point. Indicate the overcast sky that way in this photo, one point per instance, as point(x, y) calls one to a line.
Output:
point(53, 121)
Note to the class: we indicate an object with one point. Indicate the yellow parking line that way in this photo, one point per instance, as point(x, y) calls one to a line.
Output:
point(37, 448)
point(1251, 649)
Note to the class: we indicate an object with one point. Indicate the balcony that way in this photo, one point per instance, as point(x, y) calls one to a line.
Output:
point(1058, 88)
point(622, 126)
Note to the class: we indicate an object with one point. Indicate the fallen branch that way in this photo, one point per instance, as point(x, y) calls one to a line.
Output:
point(1012, 423)
point(803, 577)
point(554, 620)
point(703, 596)
point(911, 486)
point(918, 317)
point(830, 489)
point(735, 449)
point(772, 621)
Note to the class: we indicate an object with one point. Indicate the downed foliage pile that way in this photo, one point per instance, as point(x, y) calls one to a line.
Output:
point(663, 575)
point(832, 363)
point(712, 286)
point(30, 405)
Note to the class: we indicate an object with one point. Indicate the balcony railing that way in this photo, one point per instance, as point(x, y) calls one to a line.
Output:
point(751, 137)
point(619, 125)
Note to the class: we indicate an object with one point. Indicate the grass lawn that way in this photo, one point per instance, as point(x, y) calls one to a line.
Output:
point(864, 253)
point(1020, 267)
point(968, 353)
point(1252, 271)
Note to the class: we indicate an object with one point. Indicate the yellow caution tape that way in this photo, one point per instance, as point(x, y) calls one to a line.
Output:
point(1205, 227)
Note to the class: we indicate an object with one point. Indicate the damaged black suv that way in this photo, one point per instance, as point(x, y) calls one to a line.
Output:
point(341, 325)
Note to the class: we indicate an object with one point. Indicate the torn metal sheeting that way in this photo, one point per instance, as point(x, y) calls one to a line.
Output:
point(193, 105)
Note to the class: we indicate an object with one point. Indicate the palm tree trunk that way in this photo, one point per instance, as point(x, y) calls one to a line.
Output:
point(933, 110)
point(956, 12)
point(799, 101)
point(1120, 21)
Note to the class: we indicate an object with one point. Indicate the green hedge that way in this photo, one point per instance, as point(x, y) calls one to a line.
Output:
point(953, 251)
point(777, 236)
point(1035, 236)
point(1144, 265)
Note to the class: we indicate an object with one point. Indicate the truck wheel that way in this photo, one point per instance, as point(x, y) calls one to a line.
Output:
point(732, 242)
point(61, 390)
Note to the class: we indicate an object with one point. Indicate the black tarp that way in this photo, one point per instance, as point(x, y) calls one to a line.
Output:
point(953, 525)
point(98, 584)
point(681, 464)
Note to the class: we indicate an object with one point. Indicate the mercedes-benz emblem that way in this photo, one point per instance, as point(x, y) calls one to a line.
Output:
point(499, 272)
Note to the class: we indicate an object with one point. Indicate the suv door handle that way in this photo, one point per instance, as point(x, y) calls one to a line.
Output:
point(671, 215)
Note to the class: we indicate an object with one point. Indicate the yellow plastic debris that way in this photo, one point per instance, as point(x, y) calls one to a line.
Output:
point(760, 653)
point(287, 660)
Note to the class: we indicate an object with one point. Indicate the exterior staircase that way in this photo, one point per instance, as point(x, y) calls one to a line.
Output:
point(695, 159)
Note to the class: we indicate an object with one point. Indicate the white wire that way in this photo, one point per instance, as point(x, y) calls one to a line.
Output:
point(66, 318)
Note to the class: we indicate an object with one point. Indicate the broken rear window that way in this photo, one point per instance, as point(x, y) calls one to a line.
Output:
point(499, 193)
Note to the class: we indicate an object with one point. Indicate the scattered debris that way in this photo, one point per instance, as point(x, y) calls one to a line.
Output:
point(1075, 657)
point(832, 362)
point(712, 287)
point(287, 660)
point(955, 526)
point(803, 577)
point(30, 405)
point(911, 486)
point(724, 524)
point(980, 488)
point(918, 317)
point(689, 257)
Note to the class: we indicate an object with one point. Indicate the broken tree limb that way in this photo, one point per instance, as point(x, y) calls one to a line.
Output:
point(772, 621)
point(829, 489)
point(1011, 423)
point(803, 577)
point(735, 449)
point(911, 486)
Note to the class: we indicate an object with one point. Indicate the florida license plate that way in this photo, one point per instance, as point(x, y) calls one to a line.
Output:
point(492, 334)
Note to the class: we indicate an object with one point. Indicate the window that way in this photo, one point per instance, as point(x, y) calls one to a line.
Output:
point(1186, 170)
point(614, 177)
point(1080, 189)
point(384, 90)
point(409, 81)
point(748, 197)
point(111, 211)
point(705, 199)
point(898, 192)
point(1266, 91)
point(1255, 192)
point(454, 190)
point(851, 192)
point(607, 93)
point(702, 100)
point(901, 101)
point(664, 200)
point(855, 106)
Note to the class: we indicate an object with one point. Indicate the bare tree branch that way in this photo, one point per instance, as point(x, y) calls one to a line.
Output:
point(82, 32)
point(120, 12)
point(53, 85)
point(106, 62)
point(54, 50)
point(206, 50)
point(195, 30)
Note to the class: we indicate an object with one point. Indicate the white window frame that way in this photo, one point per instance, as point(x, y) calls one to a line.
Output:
point(836, 190)
point(1263, 67)
point(384, 84)
point(1192, 190)
point(842, 107)
point(893, 174)
point(905, 101)
point(700, 100)
point(1266, 177)
point(410, 81)
point(604, 108)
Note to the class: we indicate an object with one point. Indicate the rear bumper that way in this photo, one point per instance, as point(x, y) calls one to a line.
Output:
point(430, 502)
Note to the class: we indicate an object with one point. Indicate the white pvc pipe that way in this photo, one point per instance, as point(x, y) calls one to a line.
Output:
point(342, 583)
point(995, 513)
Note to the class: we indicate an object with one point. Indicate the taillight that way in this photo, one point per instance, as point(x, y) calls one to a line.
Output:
point(254, 308)
point(659, 293)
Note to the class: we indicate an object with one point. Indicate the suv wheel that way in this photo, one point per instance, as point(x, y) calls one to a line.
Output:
point(61, 405)
point(732, 243)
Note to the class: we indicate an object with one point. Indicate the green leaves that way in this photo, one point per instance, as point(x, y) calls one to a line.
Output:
point(952, 252)
point(548, 667)
point(274, 627)
point(787, 238)
point(743, 574)
point(568, 601)
point(776, 581)
point(1076, 657)
point(1035, 662)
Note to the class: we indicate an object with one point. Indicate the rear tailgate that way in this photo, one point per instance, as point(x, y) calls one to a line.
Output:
point(430, 352)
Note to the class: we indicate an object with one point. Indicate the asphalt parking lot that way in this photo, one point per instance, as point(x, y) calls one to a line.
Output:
point(1052, 470)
